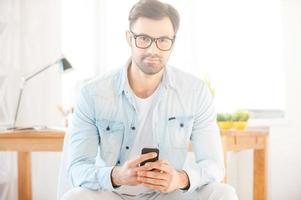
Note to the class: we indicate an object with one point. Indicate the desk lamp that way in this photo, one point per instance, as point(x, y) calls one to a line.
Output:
point(65, 66)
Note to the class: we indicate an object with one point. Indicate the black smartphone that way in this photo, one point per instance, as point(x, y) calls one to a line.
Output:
point(148, 150)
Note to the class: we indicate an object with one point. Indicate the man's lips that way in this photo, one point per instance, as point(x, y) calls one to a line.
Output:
point(152, 60)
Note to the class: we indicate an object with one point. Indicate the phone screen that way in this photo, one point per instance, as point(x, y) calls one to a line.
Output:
point(148, 150)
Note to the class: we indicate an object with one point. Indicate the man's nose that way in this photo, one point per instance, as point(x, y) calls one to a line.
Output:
point(153, 49)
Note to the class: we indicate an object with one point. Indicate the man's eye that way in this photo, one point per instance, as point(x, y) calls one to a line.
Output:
point(163, 40)
point(145, 39)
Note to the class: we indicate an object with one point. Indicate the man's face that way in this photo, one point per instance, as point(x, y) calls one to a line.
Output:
point(151, 60)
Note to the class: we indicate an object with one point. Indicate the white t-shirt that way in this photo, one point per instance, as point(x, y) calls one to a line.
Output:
point(144, 138)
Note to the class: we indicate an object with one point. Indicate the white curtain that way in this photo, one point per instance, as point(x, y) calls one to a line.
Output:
point(30, 39)
point(9, 62)
point(9, 76)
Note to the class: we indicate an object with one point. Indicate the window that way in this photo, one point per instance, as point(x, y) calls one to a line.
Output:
point(236, 44)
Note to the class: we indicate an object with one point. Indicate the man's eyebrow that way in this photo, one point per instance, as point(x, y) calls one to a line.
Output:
point(144, 34)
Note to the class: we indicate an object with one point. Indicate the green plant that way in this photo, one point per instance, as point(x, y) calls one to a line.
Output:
point(241, 116)
point(224, 117)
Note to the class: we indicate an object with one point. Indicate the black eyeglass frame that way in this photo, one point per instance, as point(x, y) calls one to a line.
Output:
point(153, 40)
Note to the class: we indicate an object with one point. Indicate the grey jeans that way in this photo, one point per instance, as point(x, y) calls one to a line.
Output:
point(214, 191)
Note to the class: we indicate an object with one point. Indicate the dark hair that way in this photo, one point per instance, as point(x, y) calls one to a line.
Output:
point(156, 10)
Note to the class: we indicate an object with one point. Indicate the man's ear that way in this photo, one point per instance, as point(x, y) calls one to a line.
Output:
point(128, 38)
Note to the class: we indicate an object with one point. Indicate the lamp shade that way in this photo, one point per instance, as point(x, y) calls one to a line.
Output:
point(65, 65)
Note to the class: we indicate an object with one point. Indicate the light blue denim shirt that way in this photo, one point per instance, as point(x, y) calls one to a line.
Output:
point(103, 129)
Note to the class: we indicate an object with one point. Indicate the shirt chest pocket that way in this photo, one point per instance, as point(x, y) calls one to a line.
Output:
point(111, 135)
point(179, 131)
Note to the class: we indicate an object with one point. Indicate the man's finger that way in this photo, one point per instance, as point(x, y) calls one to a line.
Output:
point(158, 182)
point(153, 174)
point(159, 165)
point(139, 159)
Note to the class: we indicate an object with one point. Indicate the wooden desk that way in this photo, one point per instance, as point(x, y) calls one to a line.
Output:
point(24, 142)
point(251, 138)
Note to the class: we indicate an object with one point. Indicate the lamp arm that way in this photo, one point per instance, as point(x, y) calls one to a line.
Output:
point(24, 80)
point(39, 71)
point(19, 102)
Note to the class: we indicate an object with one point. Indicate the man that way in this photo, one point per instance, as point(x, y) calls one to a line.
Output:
point(147, 104)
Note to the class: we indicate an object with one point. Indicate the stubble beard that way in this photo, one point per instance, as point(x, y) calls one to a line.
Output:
point(149, 68)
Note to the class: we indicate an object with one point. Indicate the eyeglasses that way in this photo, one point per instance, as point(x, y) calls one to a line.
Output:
point(144, 41)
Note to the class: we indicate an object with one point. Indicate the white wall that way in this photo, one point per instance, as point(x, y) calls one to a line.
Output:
point(285, 148)
point(284, 142)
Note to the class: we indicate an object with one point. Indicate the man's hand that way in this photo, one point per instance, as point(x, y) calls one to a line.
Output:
point(163, 177)
point(127, 173)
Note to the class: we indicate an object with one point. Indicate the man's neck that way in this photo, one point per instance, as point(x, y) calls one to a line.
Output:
point(142, 84)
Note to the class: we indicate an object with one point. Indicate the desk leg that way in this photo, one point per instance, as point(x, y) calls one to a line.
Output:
point(225, 149)
point(260, 173)
point(24, 176)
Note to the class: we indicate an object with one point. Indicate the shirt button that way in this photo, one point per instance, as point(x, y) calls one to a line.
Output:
point(133, 128)
point(181, 125)
point(127, 147)
point(118, 162)
point(108, 128)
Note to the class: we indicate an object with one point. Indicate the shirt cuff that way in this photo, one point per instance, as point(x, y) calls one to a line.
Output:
point(193, 173)
point(105, 179)
point(198, 174)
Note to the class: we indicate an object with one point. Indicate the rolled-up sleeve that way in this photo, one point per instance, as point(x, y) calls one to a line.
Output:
point(206, 141)
point(83, 147)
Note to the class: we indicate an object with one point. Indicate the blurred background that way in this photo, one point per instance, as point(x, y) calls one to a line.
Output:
point(248, 51)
